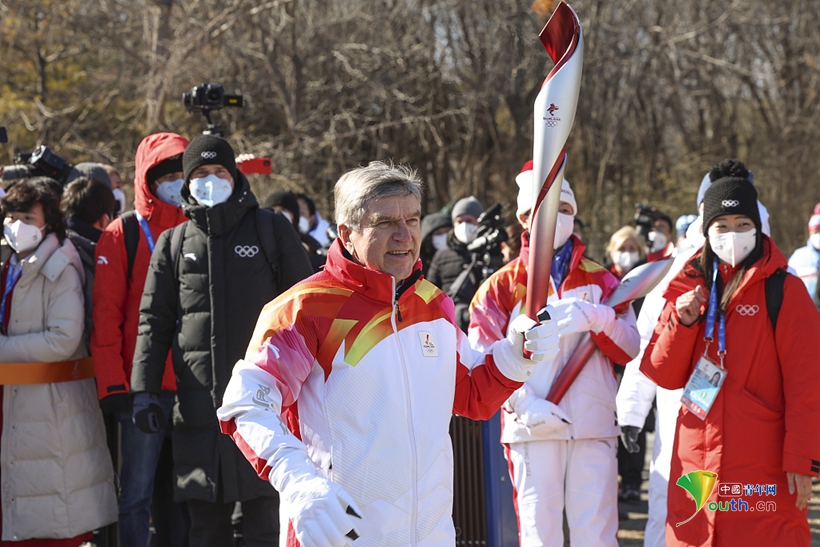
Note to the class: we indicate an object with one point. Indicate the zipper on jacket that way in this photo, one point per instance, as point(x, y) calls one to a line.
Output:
point(411, 431)
point(406, 284)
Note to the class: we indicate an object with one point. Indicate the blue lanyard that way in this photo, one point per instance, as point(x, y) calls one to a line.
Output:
point(12, 277)
point(712, 314)
point(147, 231)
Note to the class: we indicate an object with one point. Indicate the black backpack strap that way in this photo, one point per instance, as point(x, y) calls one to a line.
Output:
point(774, 295)
point(131, 236)
point(267, 236)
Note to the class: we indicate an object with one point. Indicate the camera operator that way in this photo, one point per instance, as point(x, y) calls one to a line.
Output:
point(656, 228)
point(472, 247)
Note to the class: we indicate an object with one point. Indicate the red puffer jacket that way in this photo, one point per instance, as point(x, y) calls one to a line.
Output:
point(765, 420)
point(116, 298)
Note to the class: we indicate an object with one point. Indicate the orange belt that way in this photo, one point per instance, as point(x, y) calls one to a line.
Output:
point(46, 373)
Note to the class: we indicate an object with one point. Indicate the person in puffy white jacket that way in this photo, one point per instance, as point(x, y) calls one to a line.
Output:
point(562, 457)
point(58, 482)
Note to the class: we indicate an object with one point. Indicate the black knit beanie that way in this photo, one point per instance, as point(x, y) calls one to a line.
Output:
point(730, 196)
point(167, 166)
point(208, 150)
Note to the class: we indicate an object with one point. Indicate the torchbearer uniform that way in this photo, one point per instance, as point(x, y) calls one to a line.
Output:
point(572, 466)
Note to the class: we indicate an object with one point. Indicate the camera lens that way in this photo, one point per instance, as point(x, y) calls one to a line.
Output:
point(214, 94)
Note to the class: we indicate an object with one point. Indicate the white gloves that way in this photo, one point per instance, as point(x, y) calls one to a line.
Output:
point(319, 510)
point(573, 316)
point(538, 415)
point(540, 339)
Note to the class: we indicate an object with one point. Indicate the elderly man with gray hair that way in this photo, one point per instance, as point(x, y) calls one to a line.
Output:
point(344, 398)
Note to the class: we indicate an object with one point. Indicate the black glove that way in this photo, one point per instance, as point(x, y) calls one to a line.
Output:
point(119, 402)
point(147, 415)
point(629, 436)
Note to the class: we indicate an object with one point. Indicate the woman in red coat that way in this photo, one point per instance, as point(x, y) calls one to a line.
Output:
point(758, 430)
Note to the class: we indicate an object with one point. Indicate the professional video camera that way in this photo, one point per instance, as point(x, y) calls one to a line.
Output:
point(484, 248)
point(209, 97)
point(42, 162)
point(490, 231)
point(645, 217)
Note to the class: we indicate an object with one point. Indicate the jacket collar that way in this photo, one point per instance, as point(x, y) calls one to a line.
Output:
point(222, 218)
point(771, 261)
point(578, 250)
point(373, 284)
point(84, 229)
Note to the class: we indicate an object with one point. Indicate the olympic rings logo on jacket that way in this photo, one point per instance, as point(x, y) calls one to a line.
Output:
point(747, 309)
point(246, 251)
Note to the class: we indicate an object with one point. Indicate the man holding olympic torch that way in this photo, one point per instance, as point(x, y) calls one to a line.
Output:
point(562, 456)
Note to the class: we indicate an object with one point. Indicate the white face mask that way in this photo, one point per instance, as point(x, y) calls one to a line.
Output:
point(304, 225)
point(168, 192)
point(658, 241)
point(440, 241)
point(814, 239)
point(211, 190)
point(733, 247)
point(465, 232)
point(119, 195)
point(288, 215)
point(564, 225)
point(22, 237)
point(626, 261)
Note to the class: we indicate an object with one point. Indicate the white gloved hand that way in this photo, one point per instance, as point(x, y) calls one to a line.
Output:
point(573, 316)
point(320, 512)
point(538, 415)
point(540, 339)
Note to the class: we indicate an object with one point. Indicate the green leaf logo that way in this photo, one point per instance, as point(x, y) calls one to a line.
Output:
point(699, 484)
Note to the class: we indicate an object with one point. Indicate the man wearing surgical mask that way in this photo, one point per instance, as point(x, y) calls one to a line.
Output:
point(659, 239)
point(449, 263)
point(806, 260)
point(120, 278)
point(208, 280)
point(562, 457)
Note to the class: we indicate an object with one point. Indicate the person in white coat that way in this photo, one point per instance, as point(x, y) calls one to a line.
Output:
point(58, 481)
point(805, 261)
point(562, 457)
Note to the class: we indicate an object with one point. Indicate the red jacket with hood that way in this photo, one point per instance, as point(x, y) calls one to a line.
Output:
point(116, 298)
point(765, 420)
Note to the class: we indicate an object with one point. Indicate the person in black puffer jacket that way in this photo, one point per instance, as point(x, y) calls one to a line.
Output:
point(88, 205)
point(202, 304)
point(449, 263)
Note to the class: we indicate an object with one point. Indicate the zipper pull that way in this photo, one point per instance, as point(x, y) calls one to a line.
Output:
point(398, 311)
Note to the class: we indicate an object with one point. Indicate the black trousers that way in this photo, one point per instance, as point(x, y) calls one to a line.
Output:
point(211, 524)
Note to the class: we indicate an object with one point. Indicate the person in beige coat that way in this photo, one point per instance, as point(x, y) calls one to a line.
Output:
point(55, 469)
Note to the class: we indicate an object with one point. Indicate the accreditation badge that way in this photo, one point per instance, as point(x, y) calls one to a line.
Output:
point(703, 387)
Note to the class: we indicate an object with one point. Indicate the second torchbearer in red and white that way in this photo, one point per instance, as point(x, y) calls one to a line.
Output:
point(562, 457)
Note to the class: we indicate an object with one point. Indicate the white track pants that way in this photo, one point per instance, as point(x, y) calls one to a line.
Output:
point(666, 421)
point(581, 475)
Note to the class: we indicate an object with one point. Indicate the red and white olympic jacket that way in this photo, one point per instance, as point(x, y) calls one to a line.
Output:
point(590, 401)
point(369, 379)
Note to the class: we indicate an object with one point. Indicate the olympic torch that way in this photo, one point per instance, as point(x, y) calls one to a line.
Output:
point(636, 284)
point(554, 114)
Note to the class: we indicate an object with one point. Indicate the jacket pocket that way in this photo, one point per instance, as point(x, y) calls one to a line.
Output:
point(755, 408)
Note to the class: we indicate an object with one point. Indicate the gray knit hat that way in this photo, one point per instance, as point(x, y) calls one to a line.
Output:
point(467, 206)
